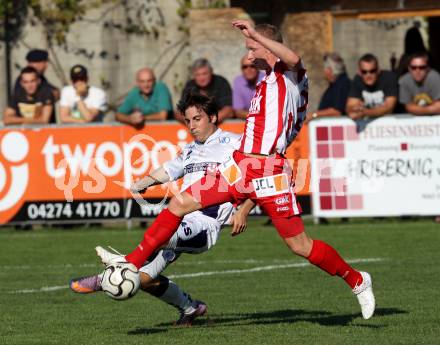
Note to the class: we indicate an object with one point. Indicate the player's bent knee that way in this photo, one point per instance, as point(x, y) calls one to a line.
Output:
point(300, 244)
point(182, 204)
point(146, 280)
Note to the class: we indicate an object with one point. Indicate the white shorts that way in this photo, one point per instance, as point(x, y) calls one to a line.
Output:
point(196, 234)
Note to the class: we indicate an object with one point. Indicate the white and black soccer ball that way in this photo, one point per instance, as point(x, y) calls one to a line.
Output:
point(120, 280)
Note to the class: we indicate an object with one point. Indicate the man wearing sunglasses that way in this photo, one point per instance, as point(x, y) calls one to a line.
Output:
point(373, 92)
point(419, 90)
point(244, 86)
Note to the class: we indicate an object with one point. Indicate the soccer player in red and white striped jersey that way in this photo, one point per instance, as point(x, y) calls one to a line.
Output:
point(257, 172)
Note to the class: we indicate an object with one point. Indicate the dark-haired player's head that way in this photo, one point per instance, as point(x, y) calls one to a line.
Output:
point(419, 66)
point(200, 113)
point(257, 53)
point(369, 69)
point(29, 80)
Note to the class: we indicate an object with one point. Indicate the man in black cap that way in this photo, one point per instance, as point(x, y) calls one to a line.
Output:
point(80, 102)
point(38, 59)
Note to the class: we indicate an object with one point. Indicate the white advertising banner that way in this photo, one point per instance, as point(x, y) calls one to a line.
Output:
point(389, 166)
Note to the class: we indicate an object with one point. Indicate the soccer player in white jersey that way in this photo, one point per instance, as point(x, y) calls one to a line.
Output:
point(199, 230)
point(258, 169)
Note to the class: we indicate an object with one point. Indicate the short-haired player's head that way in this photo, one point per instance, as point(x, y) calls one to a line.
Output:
point(334, 66)
point(419, 66)
point(260, 56)
point(369, 69)
point(269, 31)
point(200, 113)
point(202, 72)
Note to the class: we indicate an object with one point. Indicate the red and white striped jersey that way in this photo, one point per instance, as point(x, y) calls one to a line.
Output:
point(277, 111)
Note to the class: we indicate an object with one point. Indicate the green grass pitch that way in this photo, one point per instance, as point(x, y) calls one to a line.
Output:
point(276, 305)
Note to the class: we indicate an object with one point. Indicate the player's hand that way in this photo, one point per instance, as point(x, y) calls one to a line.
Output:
point(246, 28)
point(239, 223)
point(136, 118)
point(138, 186)
point(357, 113)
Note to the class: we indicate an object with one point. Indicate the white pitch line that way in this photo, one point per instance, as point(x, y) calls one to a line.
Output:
point(262, 268)
point(208, 273)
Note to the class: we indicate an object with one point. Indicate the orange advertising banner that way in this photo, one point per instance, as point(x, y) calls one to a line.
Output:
point(71, 173)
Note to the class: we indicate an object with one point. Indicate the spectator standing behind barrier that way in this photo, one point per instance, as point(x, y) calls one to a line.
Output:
point(150, 100)
point(413, 44)
point(39, 60)
point(373, 92)
point(419, 90)
point(32, 103)
point(335, 96)
point(80, 102)
point(244, 87)
point(206, 82)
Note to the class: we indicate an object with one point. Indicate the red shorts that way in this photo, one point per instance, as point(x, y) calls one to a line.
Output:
point(267, 181)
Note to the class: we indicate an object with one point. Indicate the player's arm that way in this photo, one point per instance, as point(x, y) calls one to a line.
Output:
point(65, 116)
point(288, 56)
point(10, 117)
point(386, 108)
point(239, 219)
point(225, 113)
point(88, 113)
point(46, 114)
point(431, 109)
point(158, 176)
point(354, 107)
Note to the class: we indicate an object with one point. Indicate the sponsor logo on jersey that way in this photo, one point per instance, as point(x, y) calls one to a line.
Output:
point(283, 209)
point(282, 200)
point(195, 167)
point(230, 171)
point(255, 104)
point(271, 185)
point(224, 140)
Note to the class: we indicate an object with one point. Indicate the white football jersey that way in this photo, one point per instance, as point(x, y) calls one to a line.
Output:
point(196, 158)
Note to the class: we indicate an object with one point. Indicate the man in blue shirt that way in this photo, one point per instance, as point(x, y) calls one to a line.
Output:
point(150, 100)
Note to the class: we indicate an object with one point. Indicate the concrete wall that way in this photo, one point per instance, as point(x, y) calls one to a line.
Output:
point(309, 34)
point(353, 38)
point(212, 37)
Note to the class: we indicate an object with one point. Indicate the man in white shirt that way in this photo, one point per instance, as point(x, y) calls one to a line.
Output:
point(80, 102)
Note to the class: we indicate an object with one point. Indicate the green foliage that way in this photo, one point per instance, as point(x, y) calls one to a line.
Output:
point(15, 13)
point(57, 16)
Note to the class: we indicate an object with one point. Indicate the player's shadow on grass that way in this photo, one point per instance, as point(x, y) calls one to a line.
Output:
point(147, 331)
point(323, 318)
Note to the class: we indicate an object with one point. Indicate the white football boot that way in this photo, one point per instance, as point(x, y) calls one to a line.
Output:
point(365, 296)
point(108, 257)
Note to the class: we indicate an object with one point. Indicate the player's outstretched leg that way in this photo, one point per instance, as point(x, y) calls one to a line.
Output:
point(328, 259)
point(160, 231)
point(169, 292)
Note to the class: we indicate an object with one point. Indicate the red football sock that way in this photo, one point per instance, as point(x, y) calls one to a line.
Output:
point(158, 233)
point(328, 259)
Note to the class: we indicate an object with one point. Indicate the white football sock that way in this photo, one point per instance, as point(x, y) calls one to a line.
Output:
point(176, 297)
